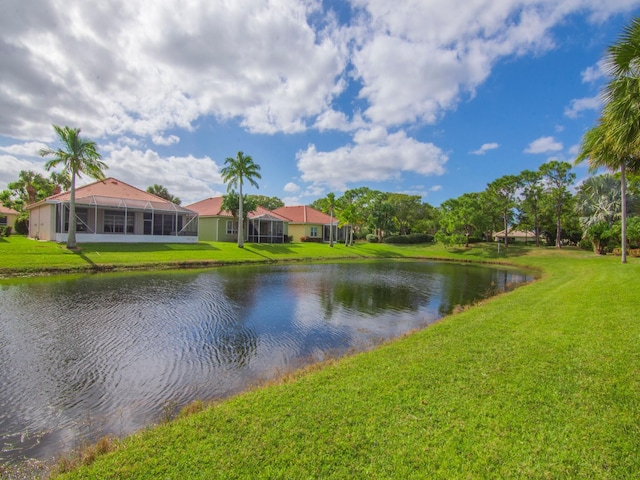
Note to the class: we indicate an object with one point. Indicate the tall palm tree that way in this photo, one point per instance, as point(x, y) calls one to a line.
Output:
point(78, 156)
point(615, 142)
point(328, 205)
point(235, 173)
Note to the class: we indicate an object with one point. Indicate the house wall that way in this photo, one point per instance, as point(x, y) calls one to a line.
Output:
point(10, 219)
point(299, 230)
point(208, 229)
point(42, 222)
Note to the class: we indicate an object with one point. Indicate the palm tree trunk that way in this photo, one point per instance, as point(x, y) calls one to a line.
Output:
point(240, 217)
point(71, 236)
point(331, 229)
point(623, 189)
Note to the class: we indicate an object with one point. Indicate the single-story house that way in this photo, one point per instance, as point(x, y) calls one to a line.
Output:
point(307, 222)
point(8, 216)
point(218, 225)
point(113, 211)
point(515, 236)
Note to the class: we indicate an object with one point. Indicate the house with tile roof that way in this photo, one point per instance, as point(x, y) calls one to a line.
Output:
point(306, 223)
point(8, 216)
point(113, 211)
point(218, 225)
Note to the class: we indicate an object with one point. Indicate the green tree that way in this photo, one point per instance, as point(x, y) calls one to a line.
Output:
point(614, 143)
point(463, 215)
point(381, 218)
point(502, 193)
point(162, 192)
point(530, 198)
point(328, 205)
point(77, 156)
point(238, 170)
point(231, 203)
point(270, 203)
point(598, 204)
point(557, 177)
point(408, 210)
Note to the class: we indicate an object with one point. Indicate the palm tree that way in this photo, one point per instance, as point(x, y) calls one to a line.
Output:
point(328, 205)
point(598, 203)
point(77, 156)
point(235, 173)
point(162, 192)
point(614, 143)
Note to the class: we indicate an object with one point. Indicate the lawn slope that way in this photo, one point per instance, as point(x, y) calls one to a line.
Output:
point(541, 382)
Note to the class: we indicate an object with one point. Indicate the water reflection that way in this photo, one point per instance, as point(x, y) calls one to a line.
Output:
point(95, 355)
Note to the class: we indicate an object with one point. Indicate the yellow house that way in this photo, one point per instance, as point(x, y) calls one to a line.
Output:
point(308, 224)
point(8, 217)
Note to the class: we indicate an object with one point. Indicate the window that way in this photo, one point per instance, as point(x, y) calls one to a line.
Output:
point(114, 221)
point(82, 219)
point(232, 227)
point(148, 223)
point(164, 224)
point(313, 231)
point(3, 220)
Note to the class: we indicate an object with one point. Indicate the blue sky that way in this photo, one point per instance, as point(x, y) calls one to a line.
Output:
point(430, 98)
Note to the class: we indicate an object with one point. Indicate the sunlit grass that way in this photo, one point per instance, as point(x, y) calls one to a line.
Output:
point(540, 382)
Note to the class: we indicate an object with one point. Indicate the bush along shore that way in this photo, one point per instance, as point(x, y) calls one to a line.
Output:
point(538, 382)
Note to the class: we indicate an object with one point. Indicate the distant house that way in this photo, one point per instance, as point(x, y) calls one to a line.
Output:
point(113, 211)
point(8, 216)
point(218, 225)
point(515, 236)
point(308, 223)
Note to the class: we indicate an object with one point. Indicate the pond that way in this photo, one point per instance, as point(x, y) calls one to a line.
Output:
point(89, 356)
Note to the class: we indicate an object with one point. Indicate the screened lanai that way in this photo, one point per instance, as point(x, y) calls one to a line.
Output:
point(265, 229)
point(113, 211)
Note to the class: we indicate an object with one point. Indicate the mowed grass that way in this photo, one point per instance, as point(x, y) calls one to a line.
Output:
point(20, 255)
point(541, 382)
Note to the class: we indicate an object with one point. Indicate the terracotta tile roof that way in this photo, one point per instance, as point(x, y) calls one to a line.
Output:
point(305, 214)
point(212, 207)
point(209, 207)
point(115, 193)
point(8, 211)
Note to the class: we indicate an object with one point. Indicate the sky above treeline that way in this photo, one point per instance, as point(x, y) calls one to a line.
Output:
point(432, 98)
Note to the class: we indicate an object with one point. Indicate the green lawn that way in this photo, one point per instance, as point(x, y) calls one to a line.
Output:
point(540, 382)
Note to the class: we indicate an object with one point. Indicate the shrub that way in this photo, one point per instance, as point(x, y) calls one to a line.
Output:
point(371, 238)
point(310, 239)
point(586, 244)
point(412, 238)
point(22, 225)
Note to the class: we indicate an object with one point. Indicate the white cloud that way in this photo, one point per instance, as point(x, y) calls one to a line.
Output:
point(435, 188)
point(291, 188)
point(375, 156)
point(189, 178)
point(485, 148)
point(160, 140)
point(594, 73)
point(28, 149)
point(582, 104)
point(544, 145)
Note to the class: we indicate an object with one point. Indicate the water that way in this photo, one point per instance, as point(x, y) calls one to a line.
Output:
point(98, 355)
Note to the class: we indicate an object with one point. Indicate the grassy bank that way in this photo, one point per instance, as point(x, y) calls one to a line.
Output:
point(541, 382)
point(22, 256)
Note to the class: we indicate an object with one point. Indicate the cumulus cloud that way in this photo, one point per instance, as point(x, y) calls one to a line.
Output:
point(485, 148)
point(291, 188)
point(160, 140)
point(594, 73)
point(374, 156)
point(188, 177)
point(544, 145)
point(28, 149)
point(580, 105)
